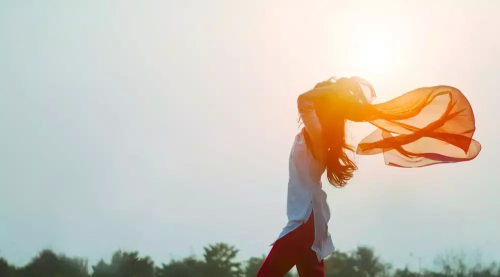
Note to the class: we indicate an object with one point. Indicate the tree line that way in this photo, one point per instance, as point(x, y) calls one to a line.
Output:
point(220, 260)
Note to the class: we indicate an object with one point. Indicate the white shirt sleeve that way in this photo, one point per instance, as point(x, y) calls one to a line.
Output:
point(311, 122)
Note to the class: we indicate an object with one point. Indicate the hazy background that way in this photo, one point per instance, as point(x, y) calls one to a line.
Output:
point(162, 126)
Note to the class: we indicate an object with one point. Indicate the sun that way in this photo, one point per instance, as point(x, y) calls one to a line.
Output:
point(375, 54)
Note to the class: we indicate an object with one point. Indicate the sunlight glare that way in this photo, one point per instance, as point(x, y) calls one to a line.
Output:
point(375, 54)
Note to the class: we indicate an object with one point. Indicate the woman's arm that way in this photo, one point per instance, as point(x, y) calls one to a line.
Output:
point(322, 91)
point(306, 106)
point(344, 98)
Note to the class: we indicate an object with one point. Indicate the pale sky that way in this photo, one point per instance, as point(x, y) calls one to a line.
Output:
point(162, 126)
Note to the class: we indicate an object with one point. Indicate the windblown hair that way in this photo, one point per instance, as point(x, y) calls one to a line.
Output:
point(339, 167)
point(407, 134)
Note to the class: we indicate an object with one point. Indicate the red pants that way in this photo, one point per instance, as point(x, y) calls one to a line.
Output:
point(294, 249)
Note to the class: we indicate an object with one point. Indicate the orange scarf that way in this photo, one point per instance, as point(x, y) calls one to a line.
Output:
point(426, 126)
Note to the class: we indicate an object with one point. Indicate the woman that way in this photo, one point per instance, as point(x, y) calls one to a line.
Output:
point(432, 125)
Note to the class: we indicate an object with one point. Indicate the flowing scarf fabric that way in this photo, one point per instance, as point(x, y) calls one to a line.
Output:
point(426, 126)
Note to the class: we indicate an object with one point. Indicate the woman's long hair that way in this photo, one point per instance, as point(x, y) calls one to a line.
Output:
point(339, 167)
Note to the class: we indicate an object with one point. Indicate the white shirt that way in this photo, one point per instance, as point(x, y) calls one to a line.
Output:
point(304, 186)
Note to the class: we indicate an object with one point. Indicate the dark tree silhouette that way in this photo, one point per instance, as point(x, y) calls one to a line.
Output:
point(368, 264)
point(458, 265)
point(359, 263)
point(220, 261)
point(6, 269)
point(48, 264)
point(253, 265)
point(187, 267)
point(125, 264)
point(405, 273)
